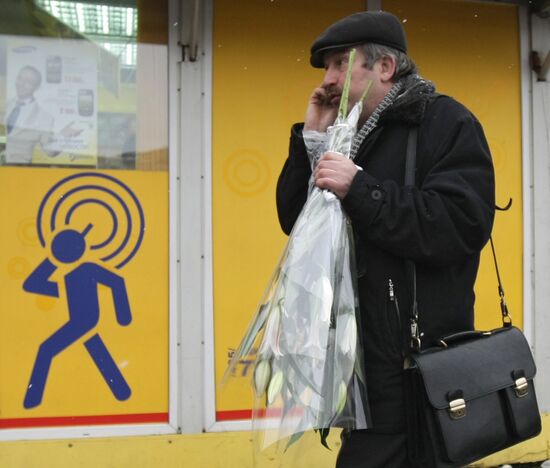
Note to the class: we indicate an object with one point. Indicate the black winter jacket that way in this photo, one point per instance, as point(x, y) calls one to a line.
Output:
point(441, 224)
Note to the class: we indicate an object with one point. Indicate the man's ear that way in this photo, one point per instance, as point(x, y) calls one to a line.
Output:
point(387, 68)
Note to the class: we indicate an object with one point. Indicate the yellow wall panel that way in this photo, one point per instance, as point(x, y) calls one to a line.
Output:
point(261, 82)
point(210, 450)
point(471, 52)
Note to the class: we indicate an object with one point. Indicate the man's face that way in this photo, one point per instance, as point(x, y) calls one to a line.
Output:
point(26, 83)
point(336, 66)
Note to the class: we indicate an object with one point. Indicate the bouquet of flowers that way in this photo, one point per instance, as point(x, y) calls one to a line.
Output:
point(308, 371)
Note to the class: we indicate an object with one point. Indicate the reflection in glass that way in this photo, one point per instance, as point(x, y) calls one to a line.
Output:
point(112, 27)
point(80, 87)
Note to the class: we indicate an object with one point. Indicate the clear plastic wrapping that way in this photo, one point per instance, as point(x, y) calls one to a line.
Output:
point(308, 372)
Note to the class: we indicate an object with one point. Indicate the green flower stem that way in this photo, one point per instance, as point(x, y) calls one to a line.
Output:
point(366, 92)
point(344, 99)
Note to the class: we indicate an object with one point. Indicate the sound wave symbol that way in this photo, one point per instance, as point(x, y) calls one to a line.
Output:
point(67, 196)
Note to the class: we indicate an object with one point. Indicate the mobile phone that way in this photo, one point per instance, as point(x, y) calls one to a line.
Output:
point(85, 102)
point(54, 69)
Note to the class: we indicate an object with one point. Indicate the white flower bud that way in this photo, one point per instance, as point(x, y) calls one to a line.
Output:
point(346, 332)
point(342, 396)
point(275, 386)
point(322, 289)
point(262, 373)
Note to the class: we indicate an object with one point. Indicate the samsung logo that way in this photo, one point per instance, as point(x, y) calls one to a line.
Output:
point(24, 49)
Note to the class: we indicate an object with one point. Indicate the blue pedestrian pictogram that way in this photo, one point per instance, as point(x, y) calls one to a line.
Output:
point(68, 247)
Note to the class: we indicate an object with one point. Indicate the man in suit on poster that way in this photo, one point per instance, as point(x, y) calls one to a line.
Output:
point(27, 124)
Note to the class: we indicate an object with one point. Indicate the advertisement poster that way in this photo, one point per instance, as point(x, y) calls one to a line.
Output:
point(83, 298)
point(50, 117)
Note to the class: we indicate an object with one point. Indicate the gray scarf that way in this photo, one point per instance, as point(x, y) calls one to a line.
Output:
point(372, 121)
point(409, 91)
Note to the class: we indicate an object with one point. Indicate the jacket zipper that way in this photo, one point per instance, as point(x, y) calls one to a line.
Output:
point(393, 299)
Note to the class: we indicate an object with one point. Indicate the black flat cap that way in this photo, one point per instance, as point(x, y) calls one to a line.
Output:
point(379, 27)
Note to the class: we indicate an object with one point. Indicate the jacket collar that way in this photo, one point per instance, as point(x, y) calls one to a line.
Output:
point(410, 105)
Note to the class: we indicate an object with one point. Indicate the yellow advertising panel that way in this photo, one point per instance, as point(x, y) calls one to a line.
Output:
point(261, 83)
point(83, 297)
point(471, 51)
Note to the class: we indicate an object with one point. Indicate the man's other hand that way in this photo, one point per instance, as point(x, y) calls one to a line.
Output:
point(335, 172)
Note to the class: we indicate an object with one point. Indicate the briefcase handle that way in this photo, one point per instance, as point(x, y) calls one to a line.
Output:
point(454, 338)
point(416, 335)
point(460, 336)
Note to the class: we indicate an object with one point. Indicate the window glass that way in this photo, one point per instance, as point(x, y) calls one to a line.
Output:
point(75, 80)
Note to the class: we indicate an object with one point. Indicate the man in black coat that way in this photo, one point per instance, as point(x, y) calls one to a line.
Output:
point(441, 224)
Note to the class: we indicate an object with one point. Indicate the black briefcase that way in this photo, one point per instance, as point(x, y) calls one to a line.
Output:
point(470, 397)
point(473, 394)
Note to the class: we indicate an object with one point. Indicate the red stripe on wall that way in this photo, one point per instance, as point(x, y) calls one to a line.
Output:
point(144, 418)
point(234, 415)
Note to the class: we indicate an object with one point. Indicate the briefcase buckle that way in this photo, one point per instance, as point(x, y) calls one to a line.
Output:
point(522, 387)
point(457, 408)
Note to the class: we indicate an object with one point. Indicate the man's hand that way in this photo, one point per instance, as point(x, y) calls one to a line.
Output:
point(68, 131)
point(322, 109)
point(335, 172)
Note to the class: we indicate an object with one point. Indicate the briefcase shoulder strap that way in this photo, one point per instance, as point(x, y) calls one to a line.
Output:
point(410, 180)
point(410, 173)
